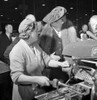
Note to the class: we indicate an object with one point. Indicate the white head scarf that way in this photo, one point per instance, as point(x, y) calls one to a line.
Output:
point(25, 24)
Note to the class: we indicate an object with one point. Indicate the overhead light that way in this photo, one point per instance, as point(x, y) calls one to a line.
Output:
point(71, 7)
point(1, 15)
point(15, 8)
point(5, 0)
point(43, 4)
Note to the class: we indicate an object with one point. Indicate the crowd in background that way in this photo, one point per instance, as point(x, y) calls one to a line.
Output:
point(39, 44)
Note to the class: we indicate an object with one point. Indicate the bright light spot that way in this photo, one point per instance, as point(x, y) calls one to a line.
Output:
point(5, 0)
point(15, 8)
point(1, 15)
point(43, 4)
point(71, 8)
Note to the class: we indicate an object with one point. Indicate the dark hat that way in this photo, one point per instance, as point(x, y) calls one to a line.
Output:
point(55, 14)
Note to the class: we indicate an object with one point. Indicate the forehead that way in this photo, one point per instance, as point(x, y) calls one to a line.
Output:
point(84, 26)
point(8, 26)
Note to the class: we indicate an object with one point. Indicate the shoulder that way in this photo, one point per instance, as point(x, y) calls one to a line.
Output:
point(17, 49)
point(67, 24)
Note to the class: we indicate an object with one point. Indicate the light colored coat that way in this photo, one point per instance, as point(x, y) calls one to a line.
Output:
point(26, 60)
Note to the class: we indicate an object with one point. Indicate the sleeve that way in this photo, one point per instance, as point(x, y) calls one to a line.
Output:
point(16, 64)
point(46, 59)
point(90, 34)
point(72, 34)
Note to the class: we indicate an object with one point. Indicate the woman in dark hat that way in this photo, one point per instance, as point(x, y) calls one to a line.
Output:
point(57, 34)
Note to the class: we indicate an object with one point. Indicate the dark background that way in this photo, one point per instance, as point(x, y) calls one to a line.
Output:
point(13, 11)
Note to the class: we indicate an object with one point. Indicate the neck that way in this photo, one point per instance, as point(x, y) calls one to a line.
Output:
point(7, 33)
point(30, 41)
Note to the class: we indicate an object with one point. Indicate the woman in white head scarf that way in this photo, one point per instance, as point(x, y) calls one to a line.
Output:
point(27, 61)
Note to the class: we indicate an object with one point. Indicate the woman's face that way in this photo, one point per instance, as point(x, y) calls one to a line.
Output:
point(34, 36)
point(84, 28)
point(9, 28)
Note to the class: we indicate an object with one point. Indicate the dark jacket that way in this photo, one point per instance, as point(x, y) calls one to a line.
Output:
point(4, 43)
point(9, 48)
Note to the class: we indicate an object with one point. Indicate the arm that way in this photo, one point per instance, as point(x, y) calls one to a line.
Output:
point(72, 34)
point(50, 62)
point(54, 63)
point(18, 75)
point(90, 34)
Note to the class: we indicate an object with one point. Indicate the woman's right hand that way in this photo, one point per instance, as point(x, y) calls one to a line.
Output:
point(43, 81)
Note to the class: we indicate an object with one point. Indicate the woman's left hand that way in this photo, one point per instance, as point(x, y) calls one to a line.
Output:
point(66, 67)
point(64, 64)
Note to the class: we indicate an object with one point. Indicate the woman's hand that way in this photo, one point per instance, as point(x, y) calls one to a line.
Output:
point(55, 57)
point(66, 67)
point(43, 81)
point(64, 64)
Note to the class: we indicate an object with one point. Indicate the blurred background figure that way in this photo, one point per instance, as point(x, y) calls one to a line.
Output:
point(15, 38)
point(0, 30)
point(5, 41)
point(82, 32)
point(5, 80)
point(56, 34)
point(93, 27)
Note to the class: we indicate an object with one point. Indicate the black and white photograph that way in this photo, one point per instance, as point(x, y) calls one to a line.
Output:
point(48, 50)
